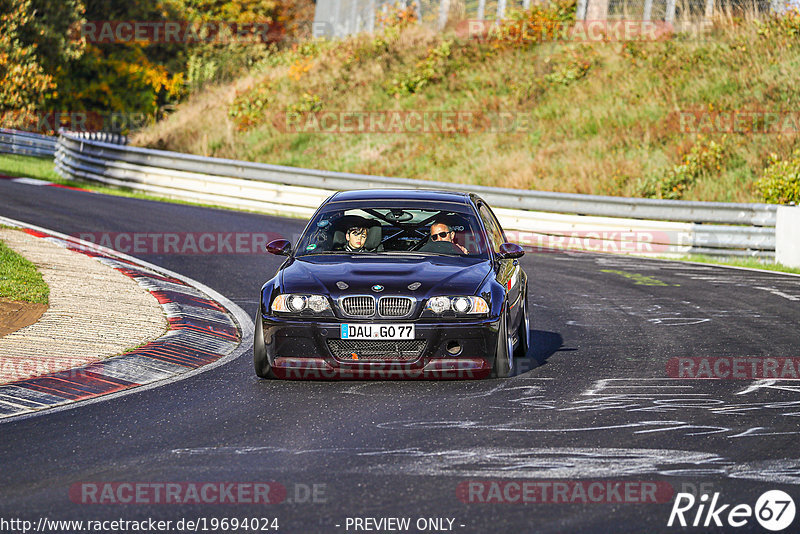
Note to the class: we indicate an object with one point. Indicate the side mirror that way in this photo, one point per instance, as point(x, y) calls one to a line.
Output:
point(280, 247)
point(510, 251)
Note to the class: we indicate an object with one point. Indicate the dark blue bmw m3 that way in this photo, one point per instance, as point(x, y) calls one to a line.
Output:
point(395, 284)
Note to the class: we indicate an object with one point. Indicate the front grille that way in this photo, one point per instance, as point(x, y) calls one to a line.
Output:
point(394, 306)
point(404, 350)
point(359, 306)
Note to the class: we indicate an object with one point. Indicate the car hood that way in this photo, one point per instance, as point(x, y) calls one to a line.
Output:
point(431, 275)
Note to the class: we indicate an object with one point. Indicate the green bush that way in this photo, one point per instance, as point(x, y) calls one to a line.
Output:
point(429, 70)
point(704, 159)
point(786, 25)
point(250, 107)
point(572, 69)
point(221, 63)
point(780, 183)
point(308, 103)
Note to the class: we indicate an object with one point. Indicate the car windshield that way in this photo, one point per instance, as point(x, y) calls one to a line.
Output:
point(395, 229)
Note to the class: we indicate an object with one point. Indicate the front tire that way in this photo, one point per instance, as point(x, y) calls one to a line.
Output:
point(504, 353)
point(260, 359)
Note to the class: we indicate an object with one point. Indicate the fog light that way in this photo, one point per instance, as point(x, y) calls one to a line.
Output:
point(454, 347)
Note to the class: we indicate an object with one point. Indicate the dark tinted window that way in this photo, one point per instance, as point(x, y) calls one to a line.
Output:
point(496, 237)
point(395, 227)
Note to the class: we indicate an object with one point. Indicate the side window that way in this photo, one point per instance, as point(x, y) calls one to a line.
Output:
point(496, 237)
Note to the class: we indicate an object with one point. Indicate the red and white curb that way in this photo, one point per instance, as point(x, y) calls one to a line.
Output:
point(205, 330)
point(36, 181)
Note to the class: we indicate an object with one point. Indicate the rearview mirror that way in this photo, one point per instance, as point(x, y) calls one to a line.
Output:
point(510, 251)
point(280, 247)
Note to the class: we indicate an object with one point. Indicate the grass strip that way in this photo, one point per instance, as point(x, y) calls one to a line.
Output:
point(19, 278)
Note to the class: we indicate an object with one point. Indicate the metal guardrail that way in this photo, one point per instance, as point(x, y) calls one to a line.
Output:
point(104, 137)
point(27, 144)
point(33, 144)
point(607, 206)
point(678, 227)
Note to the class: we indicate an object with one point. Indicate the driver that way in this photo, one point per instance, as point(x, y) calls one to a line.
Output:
point(442, 232)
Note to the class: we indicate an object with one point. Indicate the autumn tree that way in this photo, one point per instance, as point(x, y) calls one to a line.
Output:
point(34, 48)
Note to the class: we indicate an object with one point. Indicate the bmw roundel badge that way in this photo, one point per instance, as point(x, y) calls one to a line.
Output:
point(377, 288)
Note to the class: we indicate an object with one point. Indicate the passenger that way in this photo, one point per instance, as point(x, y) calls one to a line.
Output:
point(443, 232)
point(355, 238)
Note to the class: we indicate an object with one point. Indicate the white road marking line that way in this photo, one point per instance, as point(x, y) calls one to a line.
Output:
point(778, 293)
point(31, 181)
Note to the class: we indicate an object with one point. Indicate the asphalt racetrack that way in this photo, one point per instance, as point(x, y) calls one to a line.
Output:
point(597, 401)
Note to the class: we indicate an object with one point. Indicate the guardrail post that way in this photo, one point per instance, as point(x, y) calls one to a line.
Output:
point(670, 13)
point(580, 11)
point(444, 9)
point(787, 236)
point(501, 9)
point(596, 10)
point(648, 9)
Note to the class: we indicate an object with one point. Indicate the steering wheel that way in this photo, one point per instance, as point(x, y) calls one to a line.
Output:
point(441, 247)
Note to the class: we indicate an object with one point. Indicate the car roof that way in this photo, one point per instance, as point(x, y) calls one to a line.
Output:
point(401, 194)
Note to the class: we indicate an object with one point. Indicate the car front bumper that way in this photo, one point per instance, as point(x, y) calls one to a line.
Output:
point(302, 349)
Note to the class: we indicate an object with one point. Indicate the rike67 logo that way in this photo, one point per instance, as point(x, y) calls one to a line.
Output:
point(774, 510)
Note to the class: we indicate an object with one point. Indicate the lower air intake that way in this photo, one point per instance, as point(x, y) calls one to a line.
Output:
point(405, 350)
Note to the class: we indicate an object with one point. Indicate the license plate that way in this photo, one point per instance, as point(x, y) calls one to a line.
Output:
point(377, 331)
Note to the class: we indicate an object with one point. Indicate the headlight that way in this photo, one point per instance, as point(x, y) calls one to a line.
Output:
point(460, 305)
point(439, 304)
point(318, 303)
point(297, 303)
point(294, 303)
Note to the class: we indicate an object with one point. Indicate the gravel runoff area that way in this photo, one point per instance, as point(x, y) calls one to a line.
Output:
point(94, 312)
